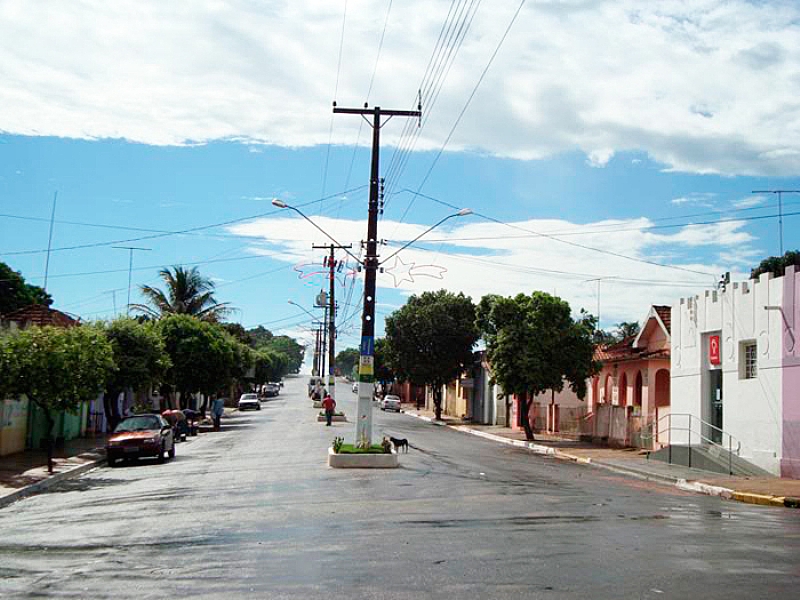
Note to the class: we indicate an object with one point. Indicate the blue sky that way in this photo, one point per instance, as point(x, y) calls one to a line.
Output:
point(570, 136)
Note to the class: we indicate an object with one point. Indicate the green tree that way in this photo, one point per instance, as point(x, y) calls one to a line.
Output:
point(347, 359)
point(429, 340)
point(533, 344)
point(55, 368)
point(16, 294)
point(293, 351)
point(187, 293)
point(626, 329)
point(383, 370)
point(259, 336)
point(270, 365)
point(777, 264)
point(204, 357)
point(141, 359)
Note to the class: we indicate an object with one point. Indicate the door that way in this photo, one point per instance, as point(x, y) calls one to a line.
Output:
point(715, 412)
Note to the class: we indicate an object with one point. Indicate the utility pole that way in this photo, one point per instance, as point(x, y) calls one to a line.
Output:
point(779, 193)
point(366, 369)
point(323, 349)
point(332, 315)
point(315, 367)
point(130, 249)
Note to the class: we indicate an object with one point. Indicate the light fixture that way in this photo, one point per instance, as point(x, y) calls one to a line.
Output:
point(279, 203)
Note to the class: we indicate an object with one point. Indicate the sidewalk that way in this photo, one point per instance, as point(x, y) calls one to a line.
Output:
point(772, 491)
point(25, 473)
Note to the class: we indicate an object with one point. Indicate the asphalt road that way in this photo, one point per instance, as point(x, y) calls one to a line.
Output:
point(254, 512)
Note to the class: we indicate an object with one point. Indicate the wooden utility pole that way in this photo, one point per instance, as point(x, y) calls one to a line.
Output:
point(366, 369)
point(331, 261)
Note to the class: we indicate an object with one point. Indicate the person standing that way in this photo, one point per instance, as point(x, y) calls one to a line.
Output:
point(329, 404)
point(217, 409)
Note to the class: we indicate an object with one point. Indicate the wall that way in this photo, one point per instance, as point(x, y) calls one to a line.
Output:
point(752, 408)
point(13, 425)
point(790, 457)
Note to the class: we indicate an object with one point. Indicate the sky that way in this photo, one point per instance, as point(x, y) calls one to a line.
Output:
point(609, 151)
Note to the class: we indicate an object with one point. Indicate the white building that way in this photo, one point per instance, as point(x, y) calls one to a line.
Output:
point(735, 377)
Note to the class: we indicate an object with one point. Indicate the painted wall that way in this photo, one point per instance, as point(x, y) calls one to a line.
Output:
point(752, 408)
point(13, 425)
point(790, 458)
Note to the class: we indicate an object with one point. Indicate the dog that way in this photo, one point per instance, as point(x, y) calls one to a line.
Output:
point(399, 443)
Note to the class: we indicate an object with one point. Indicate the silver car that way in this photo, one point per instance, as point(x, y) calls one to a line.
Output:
point(248, 402)
point(390, 402)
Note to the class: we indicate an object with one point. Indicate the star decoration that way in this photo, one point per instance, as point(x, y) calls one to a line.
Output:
point(402, 271)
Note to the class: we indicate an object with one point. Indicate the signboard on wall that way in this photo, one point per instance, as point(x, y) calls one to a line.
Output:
point(714, 353)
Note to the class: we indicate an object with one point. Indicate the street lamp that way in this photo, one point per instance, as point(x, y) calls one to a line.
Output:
point(461, 213)
point(312, 315)
point(277, 202)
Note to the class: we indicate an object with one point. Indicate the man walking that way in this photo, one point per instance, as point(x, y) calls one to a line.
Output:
point(217, 410)
point(329, 404)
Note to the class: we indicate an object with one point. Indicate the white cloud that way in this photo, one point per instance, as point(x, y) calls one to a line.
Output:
point(696, 198)
point(600, 77)
point(482, 257)
point(749, 202)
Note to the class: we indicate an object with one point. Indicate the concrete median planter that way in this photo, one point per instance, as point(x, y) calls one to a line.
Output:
point(317, 403)
point(335, 419)
point(362, 461)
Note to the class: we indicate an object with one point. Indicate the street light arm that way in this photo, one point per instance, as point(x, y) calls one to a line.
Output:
point(461, 213)
point(281, 204)
point(312, 315)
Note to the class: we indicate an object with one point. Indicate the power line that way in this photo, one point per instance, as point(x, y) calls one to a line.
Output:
point(179, 232)
point(464, 109)
point(335, 93)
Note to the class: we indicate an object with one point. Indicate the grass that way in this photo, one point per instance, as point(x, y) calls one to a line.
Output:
point(351, 449)
point(335, 414)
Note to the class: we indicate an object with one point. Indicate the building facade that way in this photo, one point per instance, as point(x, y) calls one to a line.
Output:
point(736, 371)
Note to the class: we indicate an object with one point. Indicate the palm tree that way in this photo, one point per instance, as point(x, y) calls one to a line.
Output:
point(187, 293)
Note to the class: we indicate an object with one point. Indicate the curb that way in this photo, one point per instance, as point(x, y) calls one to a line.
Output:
point(697, 487)
point(44, 484)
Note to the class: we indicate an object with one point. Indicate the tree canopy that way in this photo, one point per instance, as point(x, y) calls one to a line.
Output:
point(56, 368)
point(429, 340)
point(777, 264)
point(15, 293)
point(140, 357)
point(347, 359)
point(187, 292)
point(533, 344)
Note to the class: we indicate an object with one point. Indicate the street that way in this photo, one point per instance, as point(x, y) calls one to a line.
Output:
point(255, 512)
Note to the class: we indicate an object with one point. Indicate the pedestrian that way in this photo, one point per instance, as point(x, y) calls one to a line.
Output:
point(217, 408)
point(329, 404)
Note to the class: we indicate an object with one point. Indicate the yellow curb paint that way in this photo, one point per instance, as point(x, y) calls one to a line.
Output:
point(749, 498)
point(777, 500)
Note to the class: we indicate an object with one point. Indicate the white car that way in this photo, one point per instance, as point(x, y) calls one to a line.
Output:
point(390, 402)
point(355, 387)
point(249, 401)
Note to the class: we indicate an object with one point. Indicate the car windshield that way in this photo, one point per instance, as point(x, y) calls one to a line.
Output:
point(393, 398)
point(142, 423)
point(249, 397)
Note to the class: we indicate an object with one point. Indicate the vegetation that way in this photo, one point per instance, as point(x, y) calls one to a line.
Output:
point(56, 368)
point(383, 372)
point(347, 360)
point(16, 294)
point(204, 357)
point(141, 361)
point(283, 344)
point(534, 345)
point(351, 449)
point(777, 264)
point(429, 340)
point(186, 293)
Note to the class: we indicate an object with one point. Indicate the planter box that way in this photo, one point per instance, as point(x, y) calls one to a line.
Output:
point(362, 461)
point(317, 403)
point(335, 419)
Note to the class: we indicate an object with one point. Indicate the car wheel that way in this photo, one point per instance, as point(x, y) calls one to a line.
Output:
point(114, 462)
point(161, 455)
point(172, 451)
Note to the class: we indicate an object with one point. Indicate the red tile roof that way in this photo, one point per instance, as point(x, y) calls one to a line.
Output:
point(39, 314)
point(665, 314)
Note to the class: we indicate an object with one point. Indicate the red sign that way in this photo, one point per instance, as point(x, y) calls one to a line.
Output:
point(713, 349)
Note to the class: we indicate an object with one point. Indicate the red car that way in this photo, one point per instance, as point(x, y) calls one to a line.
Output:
point(140, 436)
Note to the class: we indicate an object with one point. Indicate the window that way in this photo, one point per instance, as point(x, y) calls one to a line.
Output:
point(750, 358)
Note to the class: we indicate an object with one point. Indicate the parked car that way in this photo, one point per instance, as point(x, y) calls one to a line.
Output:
point(271, 390)
point(249, 401)
point(355, 387)
point(390, 402)
point(140, 436)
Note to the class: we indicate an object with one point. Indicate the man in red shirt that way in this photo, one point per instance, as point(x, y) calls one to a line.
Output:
point(329, 404)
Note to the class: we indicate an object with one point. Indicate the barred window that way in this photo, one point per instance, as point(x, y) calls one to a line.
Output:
point(750, 360)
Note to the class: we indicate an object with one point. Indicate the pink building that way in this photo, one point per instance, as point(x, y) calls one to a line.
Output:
point(632, 390)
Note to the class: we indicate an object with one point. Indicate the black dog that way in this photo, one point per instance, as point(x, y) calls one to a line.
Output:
point(399, 443)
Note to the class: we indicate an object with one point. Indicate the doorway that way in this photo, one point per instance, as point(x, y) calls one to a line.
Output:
point(715, 405)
